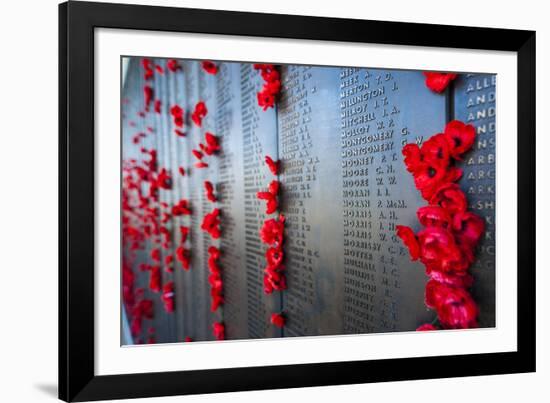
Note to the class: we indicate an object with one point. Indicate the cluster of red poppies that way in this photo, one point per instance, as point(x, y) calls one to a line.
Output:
point(272, 234)
point(139, 308)
point(270, 197)
point(142, 309)
point(215, 278)
point(210, 146)
point(211, 223)
point(145, 216)
point(446, 245)
point(199, 113)
point(272, 85)
point(178, 116)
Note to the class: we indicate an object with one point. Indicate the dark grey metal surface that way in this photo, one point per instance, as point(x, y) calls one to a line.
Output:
point(259, 133)
point(309, 142)
point(339, 134)
point(475, 104)
point(230, 193)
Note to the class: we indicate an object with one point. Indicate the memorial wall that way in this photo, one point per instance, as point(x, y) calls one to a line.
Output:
point(338, 134)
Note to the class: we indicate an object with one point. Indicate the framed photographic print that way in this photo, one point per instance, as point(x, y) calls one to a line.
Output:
point(259, 201)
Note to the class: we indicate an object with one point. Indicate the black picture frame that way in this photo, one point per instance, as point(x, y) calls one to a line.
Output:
point(77, 21)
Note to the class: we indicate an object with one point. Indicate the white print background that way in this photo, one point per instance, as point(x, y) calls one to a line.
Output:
point(28, 339)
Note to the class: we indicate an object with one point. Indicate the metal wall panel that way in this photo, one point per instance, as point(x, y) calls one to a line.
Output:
point(230, 193)
point(475, 104)
point(259, 133)
point(308, 119)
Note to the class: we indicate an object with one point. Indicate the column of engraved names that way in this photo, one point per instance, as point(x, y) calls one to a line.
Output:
point(259, 139)
point(369, 154)
point(298, 176)
point(230, 196)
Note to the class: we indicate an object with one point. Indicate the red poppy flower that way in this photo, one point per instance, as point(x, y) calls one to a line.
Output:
point(157, 106)
point(155, 278)
point(209, 67)
point(146, 63)
point(215, 279)
point(270, 74)
point(274, 257)
point(468, 228)
point(212, 143)
point(179, 133)
point(178, 115)
point(266, 99)
point(270, 197)
point(187, 339)
point(426, 327)
point(168, 296)
point(211, 223)
point(274, 279)
point(460, 138)
point(209, 188)
point(433, 216)
point(274, 187)
point(409, 239)
point(214, 252)
point(181, 170)
point(148, 68)
point(278, 320)
point(201, 164)
point(164, 180)
point(148, 96)
point(428, 177)
point(159, 69)
point(439, 251)
point(183, 256)
point(454, 305)
point(219, 330)
point(438, 82)
point(451, 198)
point(272, 231)
point(184, 231)
point(272, 87)
point(436, 151)
point(272, 165)
point(155, 254)
point(173, 65)
point(199, 113)
point(182, 208)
